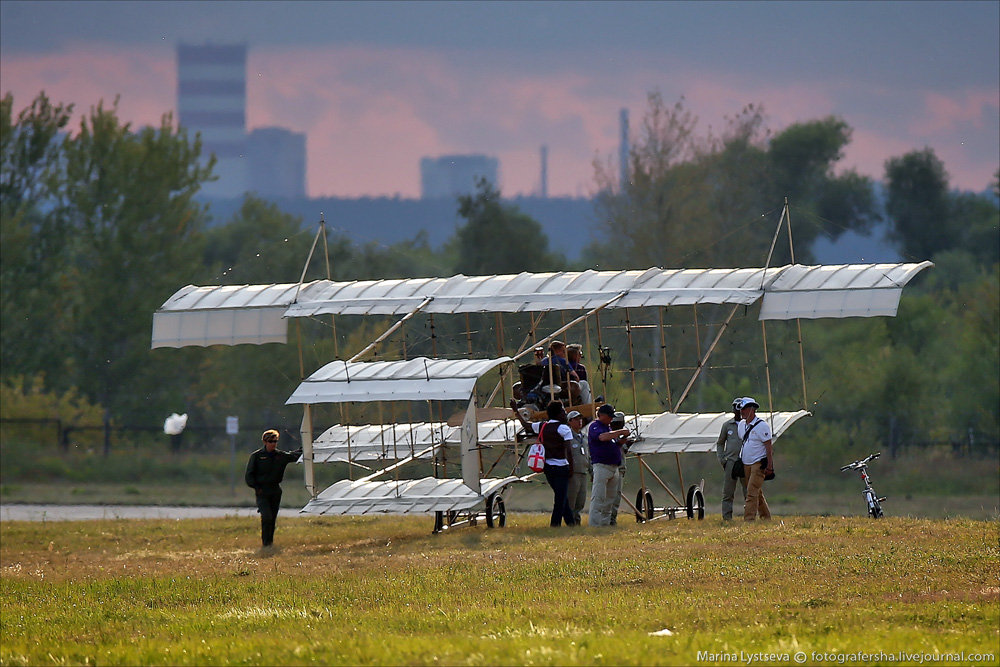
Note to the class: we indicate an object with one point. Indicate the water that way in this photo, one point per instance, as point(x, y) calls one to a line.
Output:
point(18, 512)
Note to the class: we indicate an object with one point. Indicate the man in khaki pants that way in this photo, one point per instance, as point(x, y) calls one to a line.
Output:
point(758, 459)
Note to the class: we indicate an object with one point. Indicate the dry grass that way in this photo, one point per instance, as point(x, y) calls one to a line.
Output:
point(385, 591)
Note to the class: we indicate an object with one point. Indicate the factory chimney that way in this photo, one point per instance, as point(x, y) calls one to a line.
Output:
point(623, 148)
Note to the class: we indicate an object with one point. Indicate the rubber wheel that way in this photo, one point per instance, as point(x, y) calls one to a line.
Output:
point(640, 506)
point(875, 511)
point(695, 503)
point(644, 505)
point(496, 511)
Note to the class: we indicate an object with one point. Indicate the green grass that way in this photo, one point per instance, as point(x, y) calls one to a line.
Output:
point(923, 483)
point(384, 591)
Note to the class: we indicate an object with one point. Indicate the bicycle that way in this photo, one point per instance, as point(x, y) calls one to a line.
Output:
point(871, 498)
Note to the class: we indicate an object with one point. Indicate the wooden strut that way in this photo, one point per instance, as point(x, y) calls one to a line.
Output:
point(306, 428)
point(767, 373)
point(576, 321)
point(409, 404)
point(600, 360)
point(343, 408)
point(666, 369)
point(399, 323)
point(394, 327)
point(444, 458)
point(643, 464)
point(704, 360)
point(500, 350)
point(502, 345)
point(763, 328)
point(631, 364)
point(528, 350)
point(798, 321)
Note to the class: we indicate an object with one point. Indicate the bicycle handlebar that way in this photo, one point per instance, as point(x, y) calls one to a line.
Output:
point(861, 463)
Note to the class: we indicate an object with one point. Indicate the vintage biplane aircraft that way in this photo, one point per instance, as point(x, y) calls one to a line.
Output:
point(483, 428)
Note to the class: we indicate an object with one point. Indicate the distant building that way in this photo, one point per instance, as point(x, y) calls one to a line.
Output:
point(453, 175)
point(211, 100)
point(277, 163)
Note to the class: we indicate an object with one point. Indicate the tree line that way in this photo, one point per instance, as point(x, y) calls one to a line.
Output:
point(102, 224)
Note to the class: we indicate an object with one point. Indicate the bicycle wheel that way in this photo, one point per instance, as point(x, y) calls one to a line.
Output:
point(875, 509)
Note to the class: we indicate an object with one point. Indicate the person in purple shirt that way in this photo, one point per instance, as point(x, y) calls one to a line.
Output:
point(606, 456)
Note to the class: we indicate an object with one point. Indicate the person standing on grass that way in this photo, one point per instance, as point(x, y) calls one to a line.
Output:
point(581, 466)
point(758, 459)
point(618, 424)
point(727, 448)
point(606, 455)
point(557, 438)
point(265, 470)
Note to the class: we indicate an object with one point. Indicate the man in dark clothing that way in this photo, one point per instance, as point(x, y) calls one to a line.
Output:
point(728, 447)
point(265, 470)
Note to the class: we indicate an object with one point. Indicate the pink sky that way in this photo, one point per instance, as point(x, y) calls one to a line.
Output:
point(371, 113)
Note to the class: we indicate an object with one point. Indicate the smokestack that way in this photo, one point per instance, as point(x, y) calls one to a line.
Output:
point(544, 189)
point(623, 148)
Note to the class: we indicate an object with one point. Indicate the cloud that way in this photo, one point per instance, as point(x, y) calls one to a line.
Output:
point(370, 113)
point(145, 79)
point(958, 110)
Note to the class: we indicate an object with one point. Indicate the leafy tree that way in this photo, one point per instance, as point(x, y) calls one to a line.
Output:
point(802, 159)
point(499, 238)
point(128, 198)
point(262, 244)
point(693, 201)
point(413, 258)
point(928, 219)
point(30, 151)
point(976, 222)
point(918, 204)
point(32, 241)
point(642, 220)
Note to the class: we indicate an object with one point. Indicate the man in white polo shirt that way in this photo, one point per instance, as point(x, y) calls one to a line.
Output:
point(758, 458)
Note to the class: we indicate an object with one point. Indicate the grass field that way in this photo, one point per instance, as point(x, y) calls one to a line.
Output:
point(359, 591)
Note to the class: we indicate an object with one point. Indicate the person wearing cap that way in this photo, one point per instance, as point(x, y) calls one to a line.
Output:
point(606, 456)
point(557, 438)
point(577, 493)
point(758, 459)
point(618, 423)
point(727, 448)
point(265, 470)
